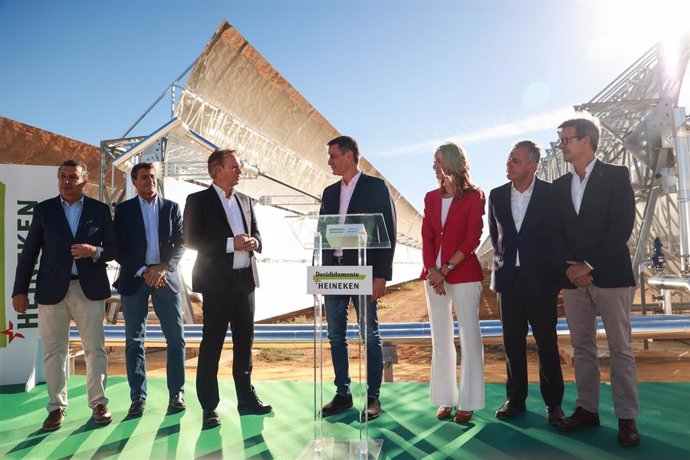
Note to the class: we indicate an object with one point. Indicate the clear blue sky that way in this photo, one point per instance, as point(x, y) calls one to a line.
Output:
point(399, 76)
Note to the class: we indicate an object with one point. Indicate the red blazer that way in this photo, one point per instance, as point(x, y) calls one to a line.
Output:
point(462, 232)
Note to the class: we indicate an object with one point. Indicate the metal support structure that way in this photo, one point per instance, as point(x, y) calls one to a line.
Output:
point(683, 163)
point(643, 129)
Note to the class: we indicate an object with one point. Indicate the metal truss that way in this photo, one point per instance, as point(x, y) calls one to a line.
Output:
point(636, 113)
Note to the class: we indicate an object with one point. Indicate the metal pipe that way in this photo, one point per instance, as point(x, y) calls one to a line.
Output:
point(643, 294)
point(673, 282)
point(680, 137)
point(667, 302)
point(158, 99)
point(645, 227)
point(121, 161)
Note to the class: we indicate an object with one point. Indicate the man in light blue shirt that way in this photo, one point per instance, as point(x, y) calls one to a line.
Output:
point(75, 236)
point(151, 244)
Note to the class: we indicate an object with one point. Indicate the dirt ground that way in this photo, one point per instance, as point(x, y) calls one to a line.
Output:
point(664, 360)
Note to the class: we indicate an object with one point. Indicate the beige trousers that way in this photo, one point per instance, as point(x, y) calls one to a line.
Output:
point(582, 305)
point(53, 325)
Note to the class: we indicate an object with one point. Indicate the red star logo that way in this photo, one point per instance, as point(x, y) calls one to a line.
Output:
point(11, 334)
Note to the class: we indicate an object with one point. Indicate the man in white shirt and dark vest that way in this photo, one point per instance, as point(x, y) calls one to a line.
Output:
point(522, 276)
point(220, 224)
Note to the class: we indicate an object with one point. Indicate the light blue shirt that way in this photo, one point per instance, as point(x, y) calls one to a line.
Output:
point(149, 212)
point(73, 214)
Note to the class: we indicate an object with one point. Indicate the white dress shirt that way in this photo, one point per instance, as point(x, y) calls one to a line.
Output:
point(233, 213)
point(577, 189)
point(519, 201)
point(346, 191)
point(577, 186)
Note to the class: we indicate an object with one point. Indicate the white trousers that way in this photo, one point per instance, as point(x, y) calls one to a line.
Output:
point(469, 394)
point(53, 325)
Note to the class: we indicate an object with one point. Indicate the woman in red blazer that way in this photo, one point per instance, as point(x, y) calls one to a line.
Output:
point(451, 230)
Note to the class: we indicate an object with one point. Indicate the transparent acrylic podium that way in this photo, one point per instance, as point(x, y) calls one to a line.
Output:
point(324, 234)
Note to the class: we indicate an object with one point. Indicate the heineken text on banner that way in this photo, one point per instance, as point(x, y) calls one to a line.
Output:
point(339, 280)
point(21, 187)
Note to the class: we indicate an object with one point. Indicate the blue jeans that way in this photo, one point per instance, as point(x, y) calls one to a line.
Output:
point(168, 307)
point(336, 314)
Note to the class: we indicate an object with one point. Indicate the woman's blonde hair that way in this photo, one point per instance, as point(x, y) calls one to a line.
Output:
point(457, 167)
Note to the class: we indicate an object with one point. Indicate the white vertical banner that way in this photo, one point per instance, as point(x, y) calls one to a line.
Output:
point(21, 187)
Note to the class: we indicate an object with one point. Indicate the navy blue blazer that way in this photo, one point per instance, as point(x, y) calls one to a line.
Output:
point(599, 234)
point(371, 195)
point(533, 240)
point(50, 235)
point(131, 243)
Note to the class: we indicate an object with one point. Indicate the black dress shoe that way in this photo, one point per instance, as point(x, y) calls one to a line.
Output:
point(176, 402)
point(137, 407)
point(211, 418)
point(338, 404)
point(252, 405)
point(54, 420)
point(373, 409)
point(510, 409)
point(581, 417)
point(628, 436)
point(554, 415)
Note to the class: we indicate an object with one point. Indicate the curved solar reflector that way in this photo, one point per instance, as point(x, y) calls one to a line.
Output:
point(236, 99)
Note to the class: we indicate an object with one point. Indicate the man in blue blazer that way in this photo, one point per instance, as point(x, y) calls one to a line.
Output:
point(356, 193)
point(150, 245)
point(522, 276)
point(75, 236)
point(220, 224)
point(594, 214)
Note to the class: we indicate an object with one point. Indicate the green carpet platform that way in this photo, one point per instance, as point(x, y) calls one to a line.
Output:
point(407, 426)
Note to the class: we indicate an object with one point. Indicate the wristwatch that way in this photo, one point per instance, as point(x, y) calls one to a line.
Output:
point(450, 266)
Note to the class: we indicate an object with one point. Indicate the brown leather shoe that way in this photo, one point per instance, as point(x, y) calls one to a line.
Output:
point(372, 411)
point(628, 436)
point(444, 412)
point(463, 416)
point(54, 420)
point(101, 414)
point(581, 417)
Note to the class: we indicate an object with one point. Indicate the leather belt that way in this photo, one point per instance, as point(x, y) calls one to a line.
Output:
point(73, 277)
point(239, 272)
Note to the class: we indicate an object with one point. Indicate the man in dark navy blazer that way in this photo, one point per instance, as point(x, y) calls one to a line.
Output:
point(594, 214)
point(75, 237)
point(150, 245)
point(356, 193)
point(220, 224)
point(522, 276)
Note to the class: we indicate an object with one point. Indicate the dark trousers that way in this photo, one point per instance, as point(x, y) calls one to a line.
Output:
point(234, 305)
point(520, 307)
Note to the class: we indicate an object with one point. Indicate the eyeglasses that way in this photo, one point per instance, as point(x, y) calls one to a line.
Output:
point(566, 140)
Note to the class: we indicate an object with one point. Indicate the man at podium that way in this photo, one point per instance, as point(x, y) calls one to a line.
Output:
point(356, 193)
